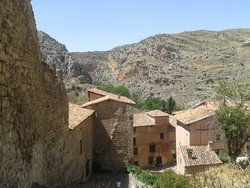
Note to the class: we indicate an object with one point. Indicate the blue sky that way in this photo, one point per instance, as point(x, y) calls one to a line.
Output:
point(89, 25)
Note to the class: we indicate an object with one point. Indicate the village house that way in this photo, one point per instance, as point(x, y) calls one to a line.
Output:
point(196, 127)
point(195, 159)
point(79, 145)
point(113, 130)
point(154, 139)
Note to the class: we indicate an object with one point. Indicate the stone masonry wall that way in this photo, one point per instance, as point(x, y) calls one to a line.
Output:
point(33, 104)
point(78, 155)
point(113, 135)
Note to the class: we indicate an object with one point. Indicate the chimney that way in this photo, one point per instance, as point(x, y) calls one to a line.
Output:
point(210, 145)
point(119, 96)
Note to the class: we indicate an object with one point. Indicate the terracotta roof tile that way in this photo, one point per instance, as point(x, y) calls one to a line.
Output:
point(200, 156)
point(99, 100)
point(194, 114)
point(77, 114)
point(112, 96)
point(157, 113)
point(142, 119)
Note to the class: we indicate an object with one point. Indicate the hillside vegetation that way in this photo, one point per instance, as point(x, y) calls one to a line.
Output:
point(186, 66)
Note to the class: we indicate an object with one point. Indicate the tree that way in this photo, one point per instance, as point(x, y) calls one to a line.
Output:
point(170, 105)
point(233, 117)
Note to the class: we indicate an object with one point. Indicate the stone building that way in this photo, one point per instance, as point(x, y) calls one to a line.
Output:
point(79, 145)
point(195, 159)
point(154, 139)
point(113, 130)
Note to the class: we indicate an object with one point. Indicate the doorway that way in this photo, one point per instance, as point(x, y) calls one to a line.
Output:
point(158, 161)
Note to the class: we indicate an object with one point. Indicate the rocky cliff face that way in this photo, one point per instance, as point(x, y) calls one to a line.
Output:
point(33, 103)
point(56, 53)
point(186, 66)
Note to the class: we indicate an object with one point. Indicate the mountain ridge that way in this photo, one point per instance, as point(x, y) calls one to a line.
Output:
point(185, 65)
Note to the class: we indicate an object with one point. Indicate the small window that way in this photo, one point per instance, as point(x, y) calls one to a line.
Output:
point(248, 147)
point(134, 141)
point(135, 151)
point(81, 143)
point(152, 148)
point(161, 135)
point(150, 160)
point(174, 156)
point(134, 129)
point(136, 163)
point(218, 137)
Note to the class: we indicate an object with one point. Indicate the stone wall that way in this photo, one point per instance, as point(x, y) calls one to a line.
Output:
point(78, 153)
point(36, 144)
point(113, 135)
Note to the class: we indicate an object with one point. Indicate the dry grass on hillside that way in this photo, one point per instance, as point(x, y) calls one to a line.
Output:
point(224, 176)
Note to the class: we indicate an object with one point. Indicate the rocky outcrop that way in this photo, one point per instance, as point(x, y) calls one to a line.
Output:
point(186, 66)
point(33, 104)
point(56, 53)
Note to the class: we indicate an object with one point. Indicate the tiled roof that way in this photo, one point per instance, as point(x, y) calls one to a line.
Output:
point(211, 105)
point(201, 155)
point(105, 98)
point(194, 114)
point(157, 113)
point(112, 96)
point(142, 119)
point(77, 114)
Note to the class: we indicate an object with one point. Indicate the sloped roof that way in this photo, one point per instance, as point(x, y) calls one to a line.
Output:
point(77, 114)
point(157, 113)
point(142, 119)
point(201, 155)
point(112, 96)
point(99, 100)
point(194, 114)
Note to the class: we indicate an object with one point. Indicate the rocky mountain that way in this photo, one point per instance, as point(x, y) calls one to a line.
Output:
point(186, 66)
point(56, 53)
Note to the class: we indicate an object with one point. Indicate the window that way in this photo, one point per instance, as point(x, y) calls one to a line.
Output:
point(136, 163)
point(152, 148)
point(218, 137)
point(81, 143)
point(150, 160)
point(134, 141)
point(135, 151)
point(161, 135)
point(248, 147)
point(174, 156)
point(134, 129)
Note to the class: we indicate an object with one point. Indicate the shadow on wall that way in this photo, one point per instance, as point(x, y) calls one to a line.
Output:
point(106, 154)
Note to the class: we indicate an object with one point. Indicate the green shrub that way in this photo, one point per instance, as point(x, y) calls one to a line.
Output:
point(142, 175)
point(224, 158)
point(170, 179)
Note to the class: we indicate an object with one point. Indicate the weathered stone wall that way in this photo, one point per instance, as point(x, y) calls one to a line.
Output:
point(113, 135)
point(33, 104)
point(78, 153)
